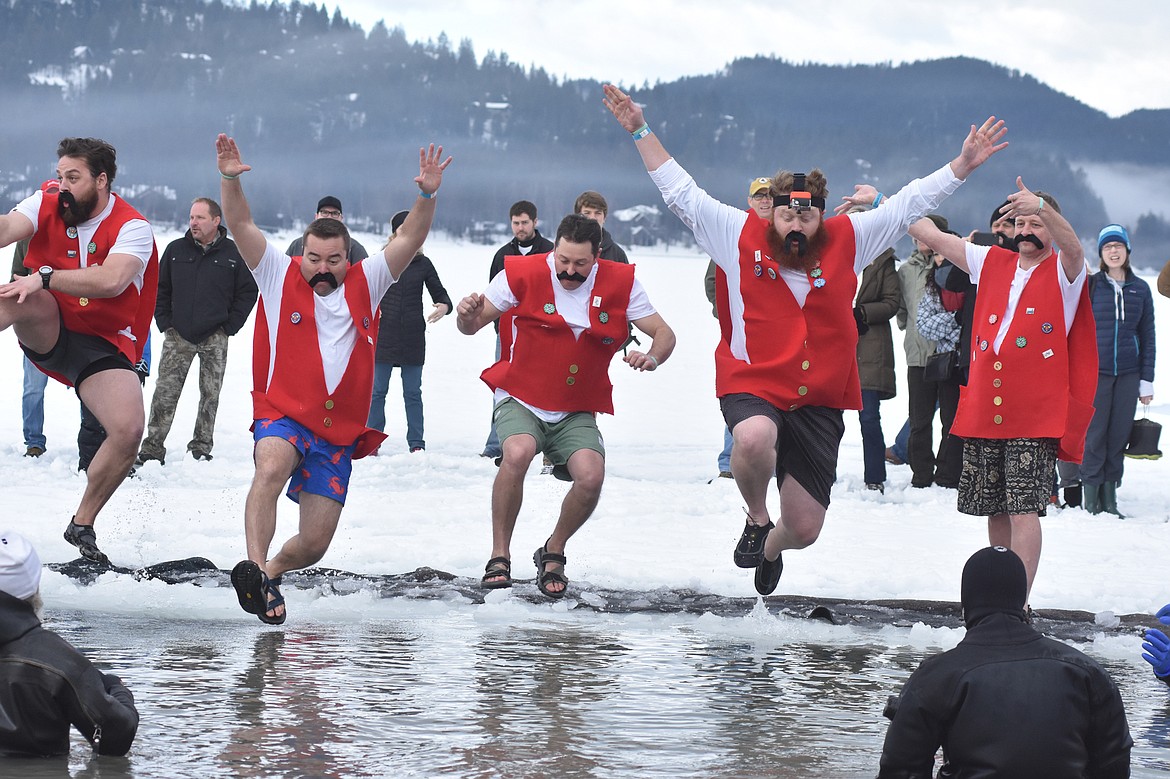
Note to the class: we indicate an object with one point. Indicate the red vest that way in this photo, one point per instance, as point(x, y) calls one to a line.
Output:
point(297, 389)
point(795, 356)
point(545, 366)
point(103, 317)
point(1042, 382)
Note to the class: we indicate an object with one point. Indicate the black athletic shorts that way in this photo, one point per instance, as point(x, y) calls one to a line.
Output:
point(77, 356)
point(807, 440)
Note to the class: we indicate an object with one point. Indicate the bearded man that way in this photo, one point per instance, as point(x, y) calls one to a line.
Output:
point(84, 316)
point(786, 366)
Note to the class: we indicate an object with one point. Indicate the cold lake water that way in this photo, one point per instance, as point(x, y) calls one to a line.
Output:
point(514, 687)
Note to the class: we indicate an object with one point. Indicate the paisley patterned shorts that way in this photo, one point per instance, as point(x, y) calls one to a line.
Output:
point(1006, 476)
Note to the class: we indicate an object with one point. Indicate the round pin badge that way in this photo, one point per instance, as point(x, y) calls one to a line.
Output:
point(365, 322)
point(1046, 327)
point(549, 308)
point(771, 273)
point(71, 232)
point(815, 272)
point(603, 317)
point(818, 283)
point(1021, 342)
point(992, 319)
point(983, 346)
point(295, 317)
point(92, 247)
point(607, 340)
point(759, 271)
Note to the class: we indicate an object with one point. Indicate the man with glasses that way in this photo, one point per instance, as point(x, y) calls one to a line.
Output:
point(329, 207)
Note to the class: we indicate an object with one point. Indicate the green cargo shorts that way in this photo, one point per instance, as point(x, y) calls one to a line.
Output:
point(558, 441)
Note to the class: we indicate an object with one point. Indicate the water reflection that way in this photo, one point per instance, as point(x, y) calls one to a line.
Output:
point(526, 692)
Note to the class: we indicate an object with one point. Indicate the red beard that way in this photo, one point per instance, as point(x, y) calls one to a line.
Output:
point(790, 258)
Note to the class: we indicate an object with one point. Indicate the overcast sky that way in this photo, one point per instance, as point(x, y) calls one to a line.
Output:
point(1113, 56)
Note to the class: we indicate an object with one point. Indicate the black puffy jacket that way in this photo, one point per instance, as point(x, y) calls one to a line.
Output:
point(402, 336)
point(46, 685)
point(1008, 702)
point(200, 291)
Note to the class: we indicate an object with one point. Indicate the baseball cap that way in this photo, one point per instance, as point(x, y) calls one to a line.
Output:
point(329, 202)
point(759, 185)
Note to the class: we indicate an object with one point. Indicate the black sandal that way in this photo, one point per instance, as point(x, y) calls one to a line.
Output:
point(768, 574)
point(545, 578)
point(749, 552)
point(497, 567)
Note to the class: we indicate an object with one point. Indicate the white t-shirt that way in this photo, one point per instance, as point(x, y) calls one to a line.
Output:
point(573, 306)
point(336, 332)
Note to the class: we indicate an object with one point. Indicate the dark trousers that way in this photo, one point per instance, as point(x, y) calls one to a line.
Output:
point(924, 397)
point(1114, 404)
point(873, 442)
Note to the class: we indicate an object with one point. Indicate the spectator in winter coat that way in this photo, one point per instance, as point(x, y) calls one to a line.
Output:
point(1007, 701)
point(1123, 308)
point(938, 319)
point(47, 686)
point(402, 340)
point(205, 294)
point(879, 294)
point(923, 395)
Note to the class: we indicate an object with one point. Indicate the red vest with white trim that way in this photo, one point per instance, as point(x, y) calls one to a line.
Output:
point(1042, 382)
point(544, 365)
point(297, 387)
point(133, 309)
point(795, 356)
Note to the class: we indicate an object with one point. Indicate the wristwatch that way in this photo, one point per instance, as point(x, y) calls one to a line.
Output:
point(46, 275)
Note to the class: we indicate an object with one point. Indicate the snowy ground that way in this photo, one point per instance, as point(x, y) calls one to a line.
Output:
point(659, 523)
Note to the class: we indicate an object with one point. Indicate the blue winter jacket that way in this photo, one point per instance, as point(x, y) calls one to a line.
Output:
point(1125, 325)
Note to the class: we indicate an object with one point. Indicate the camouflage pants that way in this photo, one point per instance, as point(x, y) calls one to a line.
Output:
point(177, 356)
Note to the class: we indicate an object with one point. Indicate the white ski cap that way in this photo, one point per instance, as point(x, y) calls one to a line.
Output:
point(20, 567)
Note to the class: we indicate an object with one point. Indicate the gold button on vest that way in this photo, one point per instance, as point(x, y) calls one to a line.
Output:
point(997, 383)
point(804, 365)
point(328, 422)
point(997, 400)
point(83, 301)
point(997, 419)
point(329, 404)
point(570, 381)
point(573, 369)
point(802, 391)
point(998, 365)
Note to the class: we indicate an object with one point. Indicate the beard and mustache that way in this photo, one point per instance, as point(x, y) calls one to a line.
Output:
point(73, 211)
point(796, 251)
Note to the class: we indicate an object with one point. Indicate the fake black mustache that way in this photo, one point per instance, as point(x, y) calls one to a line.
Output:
point(66, 202)
point(326, 277)
point(566, 276)
point(796, 242)
point(1029, 238)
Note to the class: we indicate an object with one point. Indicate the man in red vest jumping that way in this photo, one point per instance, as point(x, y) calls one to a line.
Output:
point(313, 372)
point(786, 363)
point(565, 314)
point(83, 317)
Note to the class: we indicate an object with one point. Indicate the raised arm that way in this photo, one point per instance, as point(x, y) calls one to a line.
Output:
point(950, 246)
point(236, 212)
point(413, 231)
point(629, 115)
point(662, 341)
point(1024, 202)
point(978, 146)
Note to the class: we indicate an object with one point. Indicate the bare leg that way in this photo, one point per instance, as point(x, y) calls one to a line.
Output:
point(1022, 534)
point(275, 460)
point(587, 467)
point(800, 523)
point(36, 321)
point(115, 398)
point(508, 491)
point(753, 464)
point(318, 523)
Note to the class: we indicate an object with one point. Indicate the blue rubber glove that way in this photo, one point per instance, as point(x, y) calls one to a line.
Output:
point(1157, 651)
point(1163, 614)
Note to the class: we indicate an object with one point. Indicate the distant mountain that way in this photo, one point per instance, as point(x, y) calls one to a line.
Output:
point(319, 106)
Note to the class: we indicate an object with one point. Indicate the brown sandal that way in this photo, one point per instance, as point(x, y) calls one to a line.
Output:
point(496, 568)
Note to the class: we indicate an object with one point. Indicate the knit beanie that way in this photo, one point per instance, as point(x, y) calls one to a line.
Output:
point(1110, 234)
point(397, 220)
point(20, 567)
point(994, 581)
point(997, 214)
